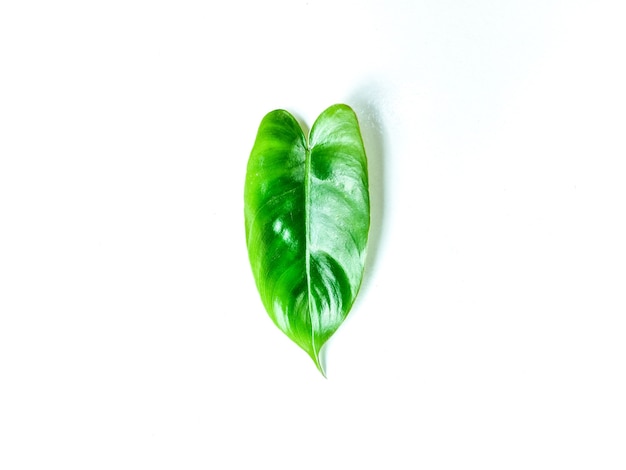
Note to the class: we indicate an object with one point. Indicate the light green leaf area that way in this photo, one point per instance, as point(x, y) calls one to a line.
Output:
point(307, 220)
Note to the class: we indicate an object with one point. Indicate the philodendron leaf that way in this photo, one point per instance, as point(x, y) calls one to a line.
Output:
point(307, 220)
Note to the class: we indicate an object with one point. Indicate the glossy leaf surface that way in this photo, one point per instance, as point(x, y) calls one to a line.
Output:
point(307, 222)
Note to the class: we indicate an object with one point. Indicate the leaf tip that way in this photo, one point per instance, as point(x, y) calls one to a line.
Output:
point(318, 364)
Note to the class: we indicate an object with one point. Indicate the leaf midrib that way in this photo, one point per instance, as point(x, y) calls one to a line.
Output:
point(307, 230)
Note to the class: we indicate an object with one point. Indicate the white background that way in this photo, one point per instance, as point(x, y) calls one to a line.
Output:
point(490, 331)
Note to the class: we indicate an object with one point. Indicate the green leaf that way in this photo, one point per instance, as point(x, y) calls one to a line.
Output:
point(307, 220)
